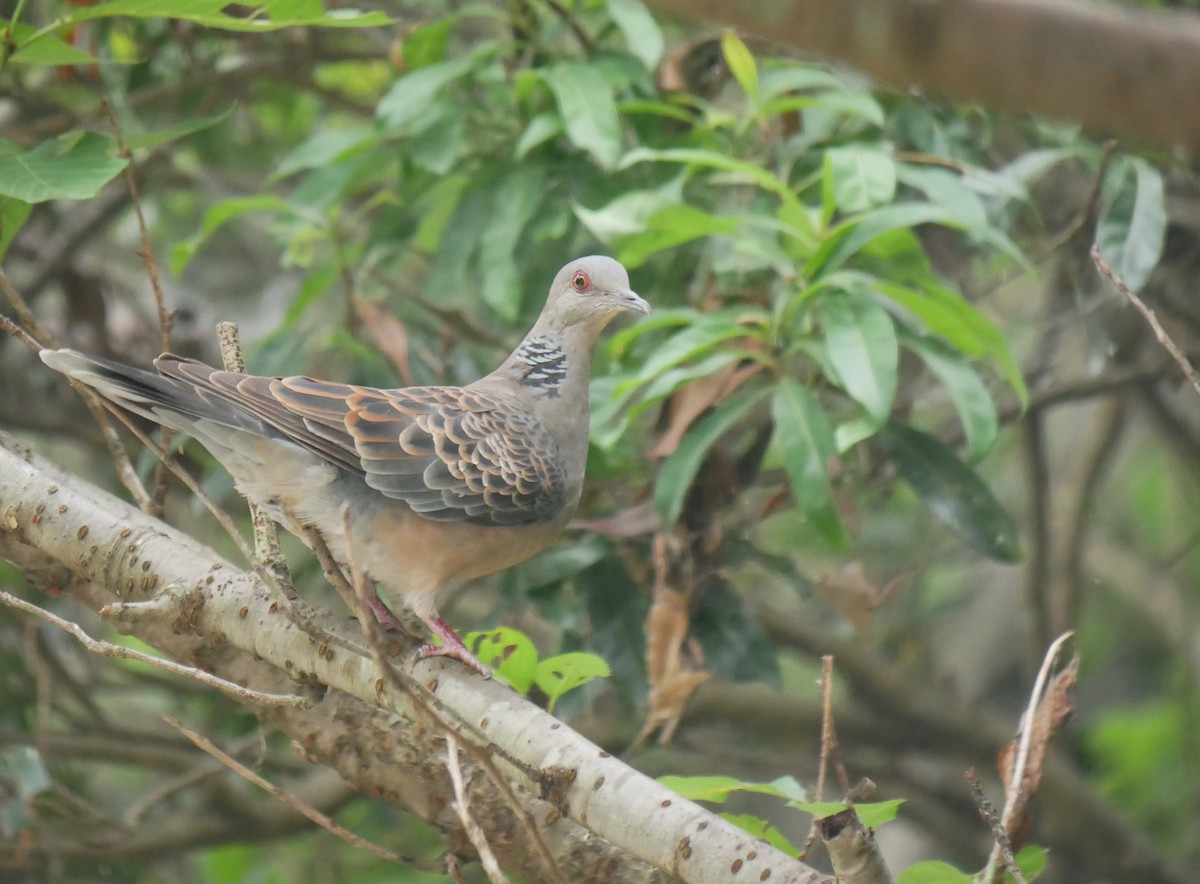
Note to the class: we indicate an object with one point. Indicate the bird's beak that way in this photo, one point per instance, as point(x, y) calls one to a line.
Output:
point(631, 301)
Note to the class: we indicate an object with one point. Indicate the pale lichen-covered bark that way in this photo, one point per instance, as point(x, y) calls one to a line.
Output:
point(600, 819)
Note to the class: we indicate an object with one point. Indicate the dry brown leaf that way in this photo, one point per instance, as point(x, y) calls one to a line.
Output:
point(388, 333)
point(694, 399)
point(855, 596)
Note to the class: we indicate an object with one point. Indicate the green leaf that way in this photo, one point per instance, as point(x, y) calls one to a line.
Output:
point(71, 167)
point(1132, 227)
point(406, 106)
point(182, 129)
point(741, 63)
point(1031, 860)
point(13, 214)
point(45, 49)
point(516, 199)
point(541, 129)
point(589, 113)
point(860, 176)
point(760, 828)
point(509, 653)
point(933, 872)
point(852, 235)
point(954, 493)
point(671, 226)
point(677, 471)
point(630, 212)
point(948, 314)
point(640, 30)
point(711, 159)
point(716, 789)
point(948, 190)
point(698, 339)
point(805, 437)
point(322, 147)
point(872, 814)
point(217, 215)
point(970, 396)
point(269, 15)
point(860, 340)
point(555, 676)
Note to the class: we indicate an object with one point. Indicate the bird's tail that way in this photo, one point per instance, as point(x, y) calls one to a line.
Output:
point(165, 400)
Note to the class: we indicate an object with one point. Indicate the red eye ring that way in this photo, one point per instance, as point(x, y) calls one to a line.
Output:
point(581, 282)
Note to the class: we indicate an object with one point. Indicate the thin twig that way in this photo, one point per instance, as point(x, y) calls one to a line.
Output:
point(987, 811)
point(165, 319)
point(266, 540)
point(1160, 333)
point(301, 807)
point(475, 834)
point(108, 649)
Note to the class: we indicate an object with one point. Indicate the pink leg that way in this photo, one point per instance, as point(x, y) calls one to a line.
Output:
point(451, 646)
point(383, 614)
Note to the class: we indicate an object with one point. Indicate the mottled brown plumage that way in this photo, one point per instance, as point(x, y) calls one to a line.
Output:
point(443, 483)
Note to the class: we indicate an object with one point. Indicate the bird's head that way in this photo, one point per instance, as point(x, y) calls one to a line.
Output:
point(590, 292)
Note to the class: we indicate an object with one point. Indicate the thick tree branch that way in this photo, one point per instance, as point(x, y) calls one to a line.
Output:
point(1115, 71)
point(204, 609)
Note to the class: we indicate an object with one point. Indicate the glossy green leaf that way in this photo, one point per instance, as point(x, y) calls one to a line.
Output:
point(589, 113)
point(555, 676)
point(953, 492)
point(849, 237)
point(696, 340)
point(933, 872)
point(974, 404)
point(71, 167)
point(508, 652)
point(860, 176)
point(677, 471)
point(805, 437)
point(860, 340)
point(741, 63)
point(1132, 227)
point(640, 30)
point(949, 315)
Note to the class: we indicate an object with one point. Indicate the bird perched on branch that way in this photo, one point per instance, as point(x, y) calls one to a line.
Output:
point(440, 484)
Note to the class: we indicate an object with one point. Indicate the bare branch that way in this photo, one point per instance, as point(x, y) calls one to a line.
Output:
point(108, 649)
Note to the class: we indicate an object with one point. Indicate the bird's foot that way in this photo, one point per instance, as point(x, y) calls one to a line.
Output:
point(452, 646)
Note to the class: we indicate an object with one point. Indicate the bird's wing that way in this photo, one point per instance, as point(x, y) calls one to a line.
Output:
point(451, 453)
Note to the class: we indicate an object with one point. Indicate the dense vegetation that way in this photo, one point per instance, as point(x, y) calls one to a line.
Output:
point(886, 409)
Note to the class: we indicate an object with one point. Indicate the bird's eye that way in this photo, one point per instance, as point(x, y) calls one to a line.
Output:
point(581, 282)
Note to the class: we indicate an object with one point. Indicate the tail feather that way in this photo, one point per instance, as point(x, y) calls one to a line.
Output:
point(161, 399)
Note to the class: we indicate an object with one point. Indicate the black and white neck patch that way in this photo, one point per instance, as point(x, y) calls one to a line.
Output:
point(545, 364)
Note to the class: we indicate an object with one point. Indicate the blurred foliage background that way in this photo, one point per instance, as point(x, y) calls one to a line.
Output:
point(885, 409)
